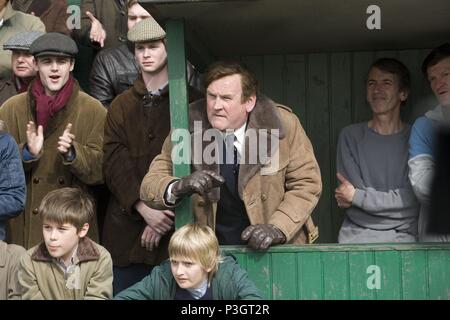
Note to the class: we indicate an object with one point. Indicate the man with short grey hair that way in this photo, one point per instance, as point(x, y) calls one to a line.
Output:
point(374, 190)
point(22, 64)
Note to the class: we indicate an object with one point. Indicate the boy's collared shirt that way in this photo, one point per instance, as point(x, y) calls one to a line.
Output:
point(199, 292)
point(71, 271)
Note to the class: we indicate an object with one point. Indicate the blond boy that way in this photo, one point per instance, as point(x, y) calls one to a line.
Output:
point(67, 265)
point(194, 271)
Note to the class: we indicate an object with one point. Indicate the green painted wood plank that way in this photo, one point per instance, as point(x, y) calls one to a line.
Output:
point(341, 116)
point(256, 65)
point(324, 272)
point(426, 99)
point(273, 77)
point(310, 276)
point(318, 129)
point(439, 274)
point(179, 108)
point(295, 86)
point(359, 265)
point(260, 268)
point(360, 109)
point(334, 247)
point(73, 2)
point(335, 275)
point(414, 275)
point(285, 277)
point(389, 264)
point(413, 108)
point(385, 54)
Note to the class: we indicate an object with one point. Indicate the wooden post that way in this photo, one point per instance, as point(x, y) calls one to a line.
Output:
point(179, 115)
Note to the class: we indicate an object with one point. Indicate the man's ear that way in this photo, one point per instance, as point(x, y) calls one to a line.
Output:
point(404, 95)
point(84, 230)
point(72, 64)
point(35, 65)
point(250, 103)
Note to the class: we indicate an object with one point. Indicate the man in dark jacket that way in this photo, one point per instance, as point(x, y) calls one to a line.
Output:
point(137, 123)
point(22, 64)
point(115, 69)
point(12, 180)
point(103, 23)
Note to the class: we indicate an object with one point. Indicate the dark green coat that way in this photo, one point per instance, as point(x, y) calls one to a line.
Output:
point(231, 282)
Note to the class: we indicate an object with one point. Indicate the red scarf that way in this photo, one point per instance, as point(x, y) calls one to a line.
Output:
point(47, 106)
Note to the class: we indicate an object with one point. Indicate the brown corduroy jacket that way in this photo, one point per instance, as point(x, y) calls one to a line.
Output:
point(134, 135)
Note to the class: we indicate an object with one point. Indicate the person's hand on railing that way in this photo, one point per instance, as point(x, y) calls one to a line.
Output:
point(262, 236)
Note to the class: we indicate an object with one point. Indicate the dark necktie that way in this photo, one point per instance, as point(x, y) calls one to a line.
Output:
point(230, 166)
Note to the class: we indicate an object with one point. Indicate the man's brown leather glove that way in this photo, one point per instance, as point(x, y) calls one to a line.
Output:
point(200, 182)
point(262, 236)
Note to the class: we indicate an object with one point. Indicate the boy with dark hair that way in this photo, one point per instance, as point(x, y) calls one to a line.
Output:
point(67, 265)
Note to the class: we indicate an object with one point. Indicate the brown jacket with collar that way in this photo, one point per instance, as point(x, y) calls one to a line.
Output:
point(41, 277)
point(283, 193)
point(134, 135)
point(49, 171)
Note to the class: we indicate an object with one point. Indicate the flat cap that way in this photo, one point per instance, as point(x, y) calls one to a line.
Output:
point(22, 40)
point(54, 44)
point(146, 30)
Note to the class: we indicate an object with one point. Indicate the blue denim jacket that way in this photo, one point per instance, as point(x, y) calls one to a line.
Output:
point(12, 182)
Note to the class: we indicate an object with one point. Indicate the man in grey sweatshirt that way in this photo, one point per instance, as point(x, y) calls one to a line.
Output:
point(372, 164)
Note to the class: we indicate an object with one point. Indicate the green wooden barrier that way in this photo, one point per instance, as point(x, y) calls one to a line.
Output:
point(316, 272)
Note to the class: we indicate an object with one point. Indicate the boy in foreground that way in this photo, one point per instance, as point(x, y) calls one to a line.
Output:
point(194, 271)
point(67, 265)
